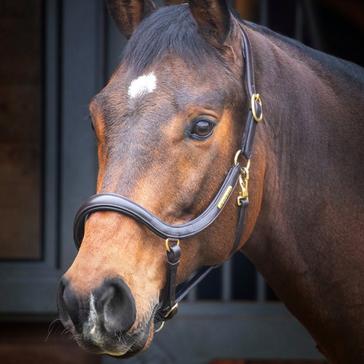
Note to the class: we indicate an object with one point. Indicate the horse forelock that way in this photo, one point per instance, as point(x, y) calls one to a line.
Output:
point(170, 30)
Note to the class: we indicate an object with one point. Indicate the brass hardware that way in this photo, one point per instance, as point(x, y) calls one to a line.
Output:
point(236, 158)
point(246, 168)
point(168, 241)
point(166, 316)
point(224, 197)
point(160, 327)
point(255, 99)
point(243, 182)
point(172, 310)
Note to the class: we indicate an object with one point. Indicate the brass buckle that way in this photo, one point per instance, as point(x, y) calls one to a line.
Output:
point(243, 179)
point(243, 182)
point(170, 312)
point(255, 99)
point(168, 241)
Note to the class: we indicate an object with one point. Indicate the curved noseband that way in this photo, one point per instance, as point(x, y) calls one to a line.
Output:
point(122, 205)
point(173, 233)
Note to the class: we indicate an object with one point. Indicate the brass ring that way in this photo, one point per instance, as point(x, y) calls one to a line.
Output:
point(168, 247)
point(160, 327)
point(237, 154)
point(236, 160)
point(175, 307)
point(255, 99)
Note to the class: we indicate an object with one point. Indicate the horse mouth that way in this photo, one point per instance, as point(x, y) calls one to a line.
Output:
point(95, 332)
point(117, 344)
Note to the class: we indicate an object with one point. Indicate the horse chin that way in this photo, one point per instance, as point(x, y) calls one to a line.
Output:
point(136, 348)
point(117, 346)
point(140, 345)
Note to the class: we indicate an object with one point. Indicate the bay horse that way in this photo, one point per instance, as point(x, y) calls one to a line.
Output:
point(168, 124)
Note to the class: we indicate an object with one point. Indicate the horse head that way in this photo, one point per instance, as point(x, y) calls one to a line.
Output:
point(167, 124)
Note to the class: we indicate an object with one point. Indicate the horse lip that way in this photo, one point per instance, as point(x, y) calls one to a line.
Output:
point(140, 345)
point(135, 348)
point(108, 347)
point(116, 354)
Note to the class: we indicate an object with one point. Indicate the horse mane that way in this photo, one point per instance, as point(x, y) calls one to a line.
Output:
point(172, 30)
point(337, 66)
point(169, 30)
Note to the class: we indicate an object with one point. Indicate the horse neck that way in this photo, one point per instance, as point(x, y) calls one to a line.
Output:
point(306, 241)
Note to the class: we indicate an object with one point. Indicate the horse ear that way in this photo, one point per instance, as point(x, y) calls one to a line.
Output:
point(127, 14)
point(212, 18)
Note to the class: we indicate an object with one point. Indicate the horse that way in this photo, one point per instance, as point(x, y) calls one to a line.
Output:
point(168, 125)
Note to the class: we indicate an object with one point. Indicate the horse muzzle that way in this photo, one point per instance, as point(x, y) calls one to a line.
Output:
point(104, 320)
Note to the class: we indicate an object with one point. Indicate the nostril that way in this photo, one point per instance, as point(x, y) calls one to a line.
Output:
point(118, 306)
point(62, 310)
point(67, 304)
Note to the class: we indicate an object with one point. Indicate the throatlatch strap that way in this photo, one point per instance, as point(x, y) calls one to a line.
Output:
point(184, 288)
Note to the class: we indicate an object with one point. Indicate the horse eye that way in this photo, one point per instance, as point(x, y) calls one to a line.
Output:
point(201, 129)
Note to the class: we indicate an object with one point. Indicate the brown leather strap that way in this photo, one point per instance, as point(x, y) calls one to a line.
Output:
point(120, 204)
point(168, 307)
point(250, 126)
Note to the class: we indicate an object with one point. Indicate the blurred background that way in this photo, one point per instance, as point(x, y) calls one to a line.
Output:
point(55, 55)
